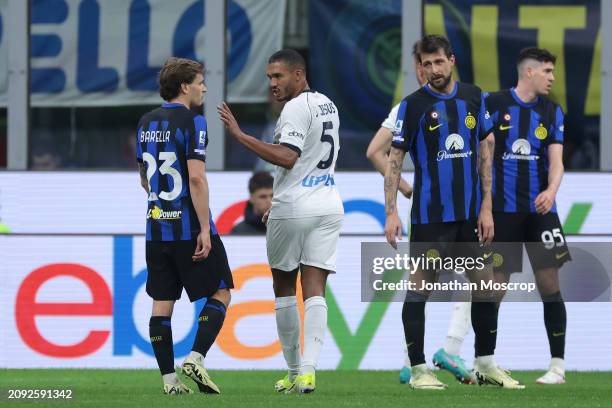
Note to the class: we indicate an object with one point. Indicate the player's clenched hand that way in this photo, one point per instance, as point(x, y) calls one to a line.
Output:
point(393, 229)
point(202, 247)
point(227, 117)
point(544, 202)
point(485, 226)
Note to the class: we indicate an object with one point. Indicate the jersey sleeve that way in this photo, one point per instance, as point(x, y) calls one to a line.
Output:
point(198, 140)
point(138, 143)
point(492, 109)
point(389, 123)
point(294, 123)
point(401, 135)
point(558, 130)
point(486, 124)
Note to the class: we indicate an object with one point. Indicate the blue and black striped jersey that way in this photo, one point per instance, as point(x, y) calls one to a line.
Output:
point(523, 131)
point(167, 137)
point(442, 133)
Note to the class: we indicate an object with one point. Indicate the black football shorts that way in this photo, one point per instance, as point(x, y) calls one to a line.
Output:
point(541, 234)
point(170, 269)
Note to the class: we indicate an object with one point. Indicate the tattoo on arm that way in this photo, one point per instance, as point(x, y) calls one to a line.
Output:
point(485, 165)
point(392, 178)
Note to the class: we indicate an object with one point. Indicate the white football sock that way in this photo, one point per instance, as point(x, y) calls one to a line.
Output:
point(460, 324)
point(171, 378)
point(199, 358)
point(558, 363)
point(288, 327)
point(486, 361)
point(315, 324)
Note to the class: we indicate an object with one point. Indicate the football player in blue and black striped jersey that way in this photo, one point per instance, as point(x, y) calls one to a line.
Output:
point(527, 172)
point(446, 128)
point(183, 248)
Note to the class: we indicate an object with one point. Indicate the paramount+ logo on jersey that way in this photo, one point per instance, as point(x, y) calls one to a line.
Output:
point(158, 214)
point(454, 145)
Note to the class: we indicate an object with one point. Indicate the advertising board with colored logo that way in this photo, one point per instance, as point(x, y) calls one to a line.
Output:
point(76, 301)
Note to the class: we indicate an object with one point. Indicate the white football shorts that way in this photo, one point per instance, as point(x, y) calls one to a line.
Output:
point(310, 241)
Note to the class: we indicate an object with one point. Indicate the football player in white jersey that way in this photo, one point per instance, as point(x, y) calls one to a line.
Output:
point(307, 212)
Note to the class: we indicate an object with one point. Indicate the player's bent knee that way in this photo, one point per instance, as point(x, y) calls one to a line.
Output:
point(548, 281)
point(223, 295)
point(283, 282)
point(162, 307)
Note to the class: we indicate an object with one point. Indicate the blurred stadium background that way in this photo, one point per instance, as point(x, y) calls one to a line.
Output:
point(75, 76)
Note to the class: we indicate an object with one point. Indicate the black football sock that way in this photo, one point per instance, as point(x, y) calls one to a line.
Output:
point(209, 324)
point(555, 320)
point(160, 332)
point(413, 317)
point(484, 322)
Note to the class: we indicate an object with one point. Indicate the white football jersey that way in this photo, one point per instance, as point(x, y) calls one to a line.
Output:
point(389, 123)
point(309, 125)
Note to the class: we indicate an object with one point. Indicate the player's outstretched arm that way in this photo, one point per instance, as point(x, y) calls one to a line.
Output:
point(276, 154)
point(393, 225)
point(378, 153)
point(485, 169)
point(545, 200)
point(198, 188)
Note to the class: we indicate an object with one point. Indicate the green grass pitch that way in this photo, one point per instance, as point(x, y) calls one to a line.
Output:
point(341, 388)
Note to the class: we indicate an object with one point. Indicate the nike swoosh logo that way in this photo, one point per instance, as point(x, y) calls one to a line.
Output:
point(432, 128)
point(502, 127)
point(487, 255)
point(493, 331)
point(555, 334)
point(561, 255)
point(409, 344)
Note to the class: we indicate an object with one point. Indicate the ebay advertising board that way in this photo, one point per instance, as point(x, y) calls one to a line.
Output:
point(80, 301)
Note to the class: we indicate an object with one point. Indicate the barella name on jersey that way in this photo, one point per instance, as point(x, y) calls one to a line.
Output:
point(158, 214)
point(155, 136)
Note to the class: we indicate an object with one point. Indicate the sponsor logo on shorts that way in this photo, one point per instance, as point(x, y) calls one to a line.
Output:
point(498, 260)
point(561, 255)
point(433, 254)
